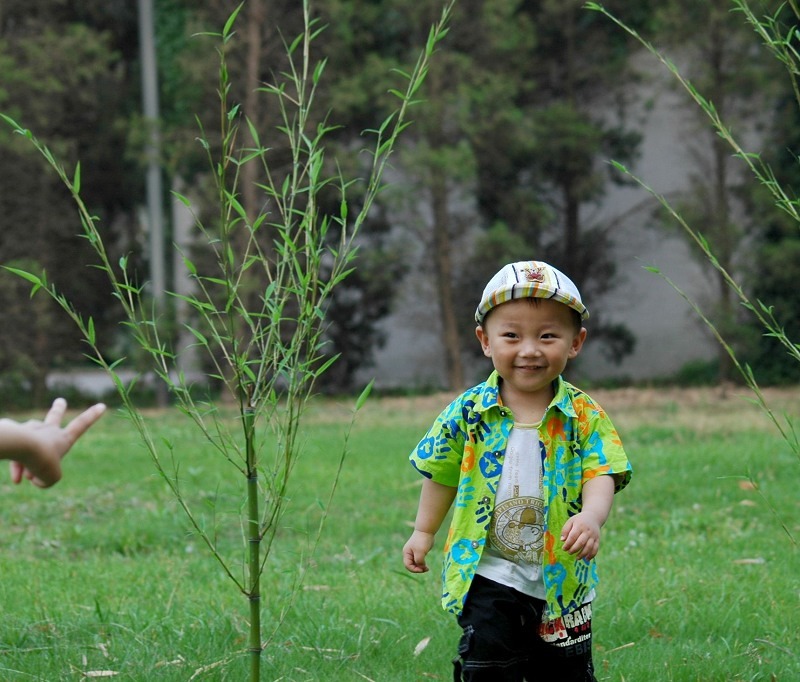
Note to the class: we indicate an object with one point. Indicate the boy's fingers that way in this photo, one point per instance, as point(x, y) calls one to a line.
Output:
point(572, 541)
point(566, 532)
point(412, 564)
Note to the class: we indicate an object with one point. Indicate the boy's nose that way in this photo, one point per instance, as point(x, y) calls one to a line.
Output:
point(531, 348)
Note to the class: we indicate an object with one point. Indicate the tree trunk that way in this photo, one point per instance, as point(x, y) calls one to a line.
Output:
point(572, 229)
point(720, 220)
point(572, 226)
point(443, 268)
point(442, 247)
point(256, 20)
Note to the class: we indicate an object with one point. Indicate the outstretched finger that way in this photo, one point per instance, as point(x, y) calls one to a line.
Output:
point(16, 470)
point(78, 426)
point(56, 412)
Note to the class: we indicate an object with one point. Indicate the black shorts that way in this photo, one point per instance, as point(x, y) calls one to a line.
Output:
point(504, 639)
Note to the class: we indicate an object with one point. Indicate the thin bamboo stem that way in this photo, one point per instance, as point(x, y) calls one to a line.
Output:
point(254, 544)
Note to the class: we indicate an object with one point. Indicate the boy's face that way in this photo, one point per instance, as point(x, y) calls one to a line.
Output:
point(530, 342)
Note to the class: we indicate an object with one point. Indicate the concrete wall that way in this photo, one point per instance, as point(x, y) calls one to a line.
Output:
point(668, 333)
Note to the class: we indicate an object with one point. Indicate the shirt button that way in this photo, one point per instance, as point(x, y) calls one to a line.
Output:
point(475, 544)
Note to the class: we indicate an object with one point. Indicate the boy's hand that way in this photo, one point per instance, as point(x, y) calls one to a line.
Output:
point(415, 551)
point(581, 535)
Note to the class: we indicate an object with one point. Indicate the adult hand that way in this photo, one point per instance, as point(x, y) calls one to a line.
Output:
point(37, 447)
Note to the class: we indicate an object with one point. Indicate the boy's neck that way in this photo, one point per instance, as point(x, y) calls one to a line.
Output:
point(528, 408)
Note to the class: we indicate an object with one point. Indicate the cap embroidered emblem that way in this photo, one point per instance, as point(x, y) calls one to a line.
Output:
point(534, 274)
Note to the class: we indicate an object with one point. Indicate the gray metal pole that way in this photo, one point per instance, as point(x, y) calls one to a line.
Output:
point(155, 215)
point(155, 191)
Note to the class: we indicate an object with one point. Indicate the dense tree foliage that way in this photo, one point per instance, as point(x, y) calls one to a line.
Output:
point(543, 153)
point(523, 106)
point(773, 274)
point(526, 102)
point(726, 63)
point(64, 75)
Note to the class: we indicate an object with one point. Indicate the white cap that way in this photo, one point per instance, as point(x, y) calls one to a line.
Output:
point(529, 279)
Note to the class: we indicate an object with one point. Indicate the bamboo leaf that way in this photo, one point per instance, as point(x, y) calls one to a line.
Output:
point(180, 197)
point(116, 364)
point(253, 132)
point(249, 373)
point(190, 266)
point(29, 276)
point(16, 126)
point(316, 33)
point(215, 280)
point(295, 43)
point(237, 206)
point(202, 339)
point(226, 31)
point(318, 71)
point(364, 395)
point(326, 365)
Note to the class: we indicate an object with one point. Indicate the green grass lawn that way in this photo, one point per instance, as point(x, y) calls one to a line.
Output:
point(101, 574)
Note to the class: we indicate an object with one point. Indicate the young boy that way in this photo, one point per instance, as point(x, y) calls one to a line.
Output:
point(532, 464)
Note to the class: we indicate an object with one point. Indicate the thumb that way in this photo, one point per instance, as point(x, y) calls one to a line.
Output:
point(17, 470)
point(566, 529)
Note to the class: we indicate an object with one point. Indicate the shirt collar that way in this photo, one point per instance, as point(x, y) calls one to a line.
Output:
point(563, 399)
point(489, 393)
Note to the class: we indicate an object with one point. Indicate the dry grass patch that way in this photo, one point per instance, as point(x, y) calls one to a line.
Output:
point(700, 410)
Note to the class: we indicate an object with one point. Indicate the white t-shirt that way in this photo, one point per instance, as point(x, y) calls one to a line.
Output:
point(513, 553)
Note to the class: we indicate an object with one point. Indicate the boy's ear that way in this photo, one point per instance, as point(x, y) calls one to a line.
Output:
point(483, 337)
point(577, 343)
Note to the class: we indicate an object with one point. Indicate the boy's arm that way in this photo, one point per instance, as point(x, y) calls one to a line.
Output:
point(581, 533)
point(434, 503)
point(36, 448)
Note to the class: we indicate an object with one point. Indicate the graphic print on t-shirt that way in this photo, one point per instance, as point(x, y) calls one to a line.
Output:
point(517, 530)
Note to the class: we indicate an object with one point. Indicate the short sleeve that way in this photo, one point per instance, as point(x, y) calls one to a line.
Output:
point(438, 455)
point(601, 446)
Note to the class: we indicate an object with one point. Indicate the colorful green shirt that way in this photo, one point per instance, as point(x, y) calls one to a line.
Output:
point(465, 448)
